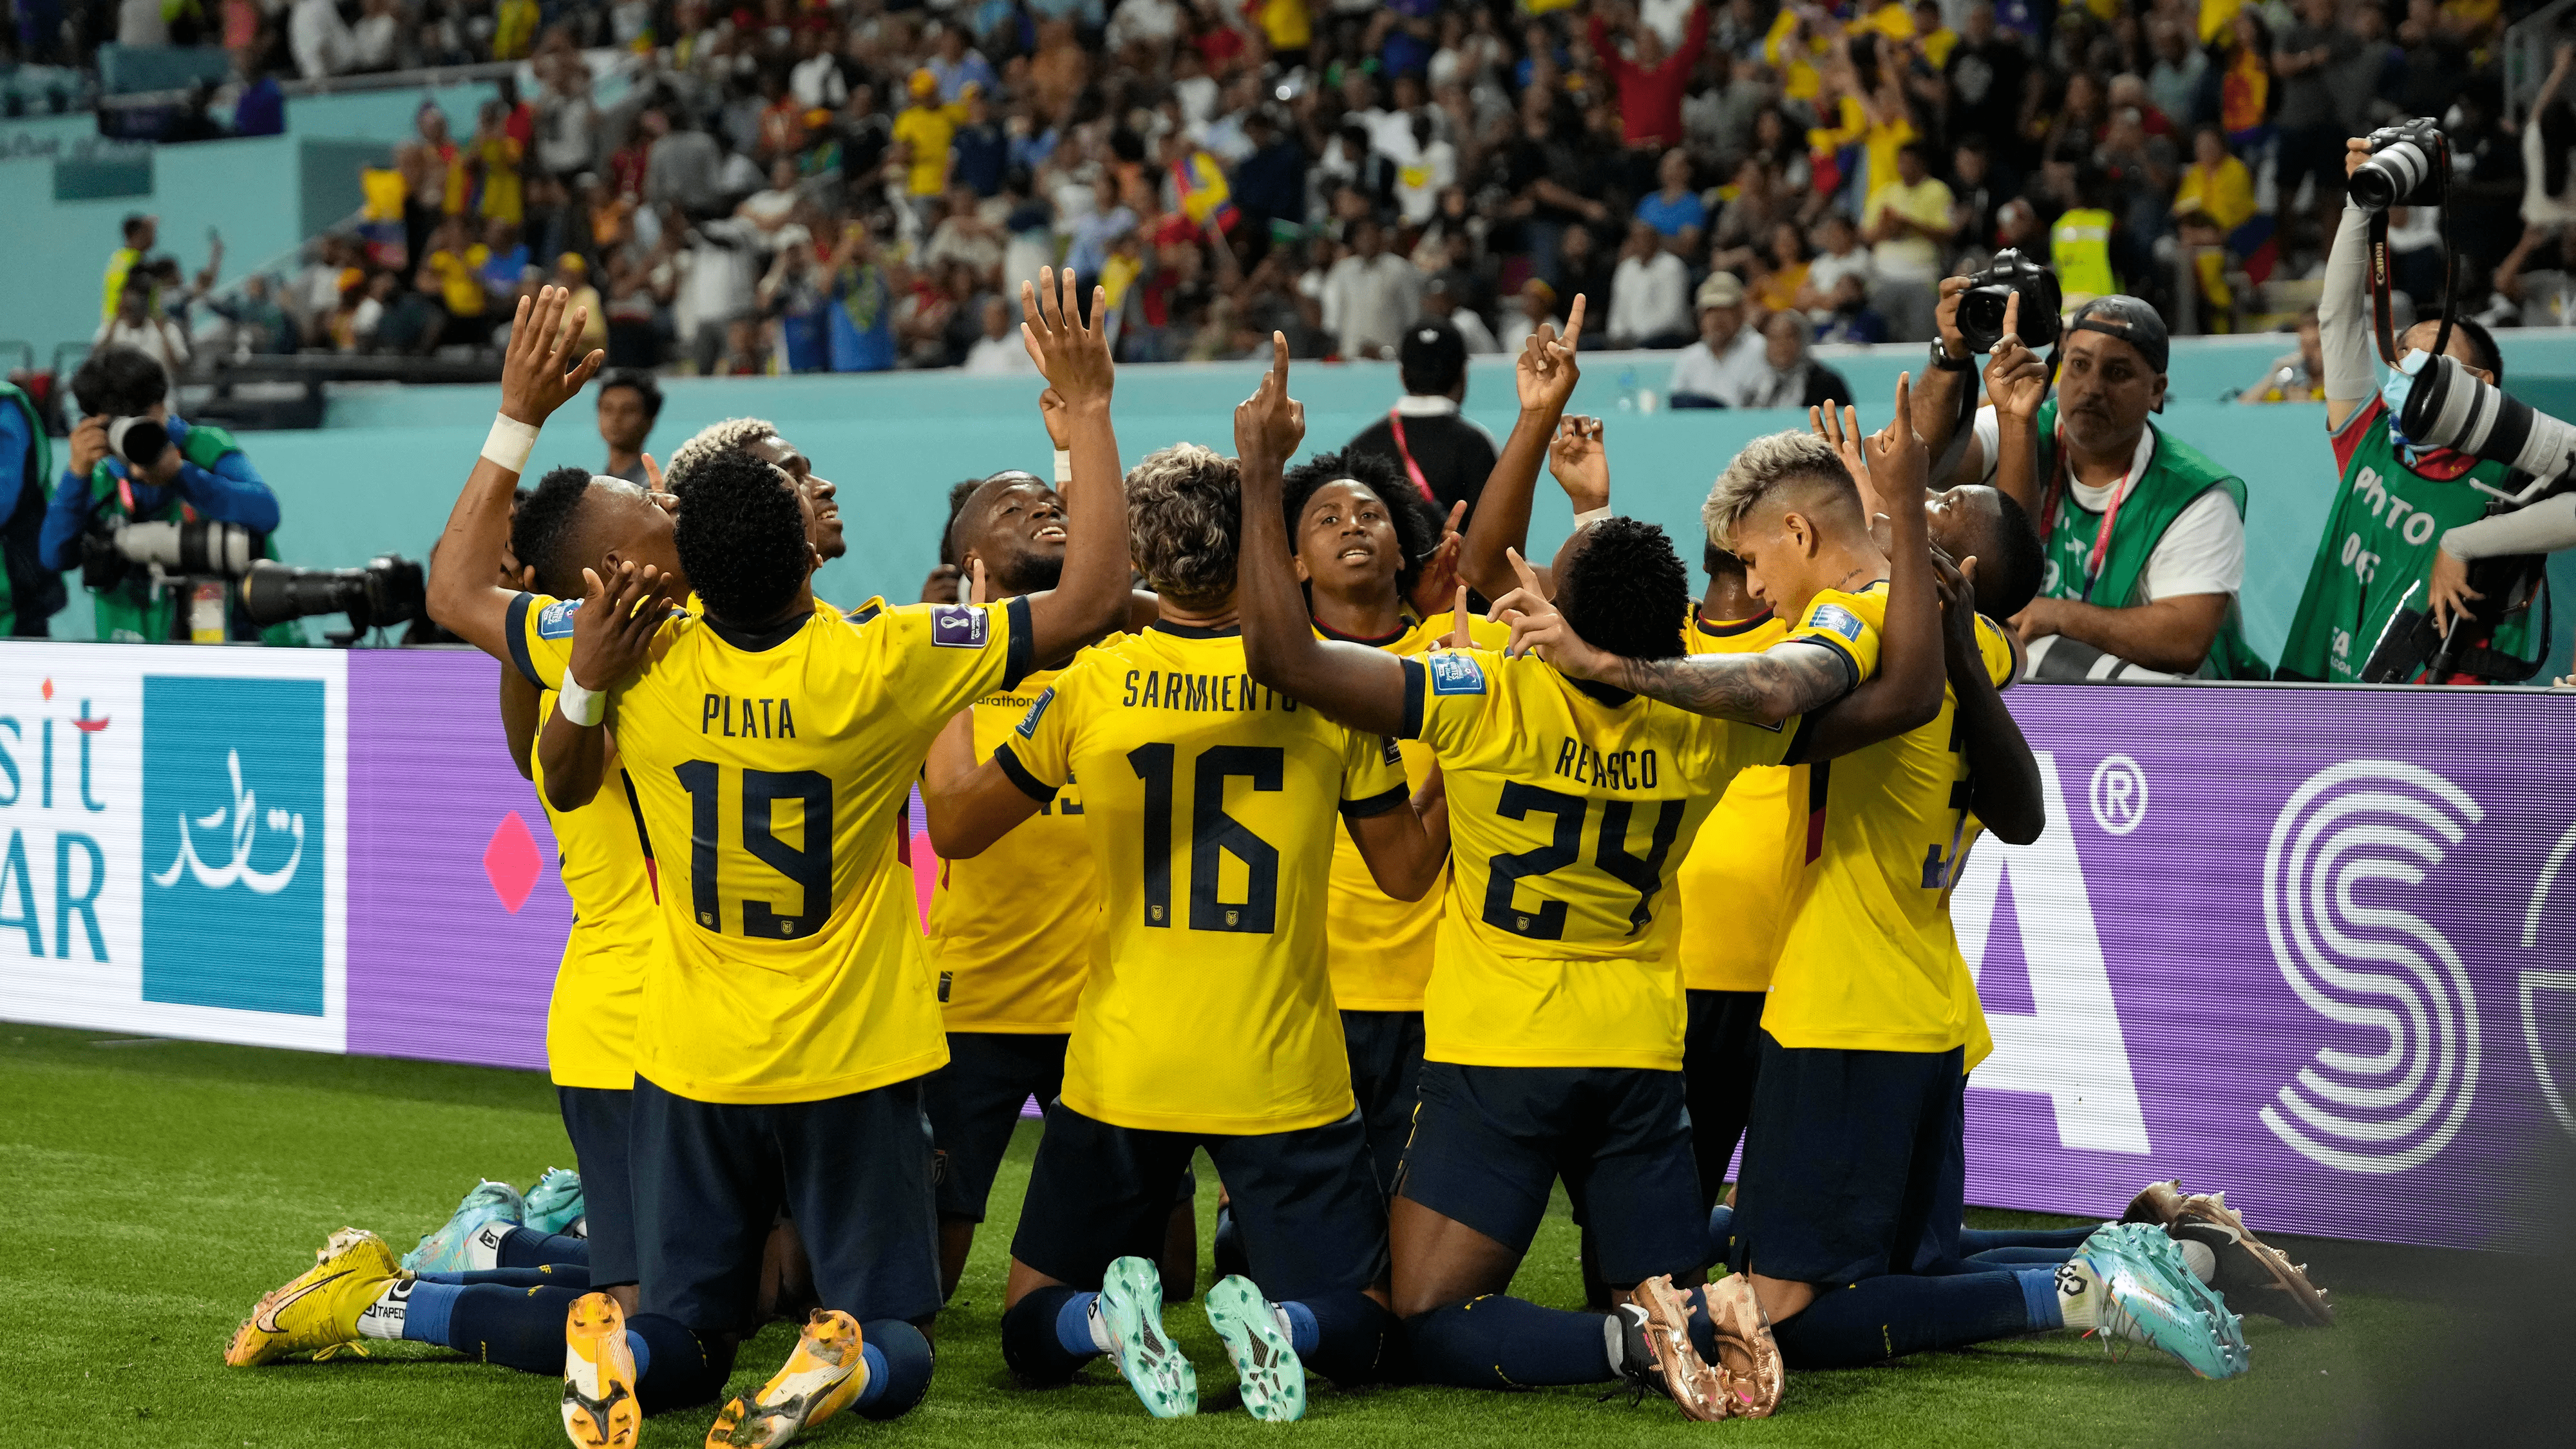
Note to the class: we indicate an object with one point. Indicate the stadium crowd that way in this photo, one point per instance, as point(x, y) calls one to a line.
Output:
point(860, 186)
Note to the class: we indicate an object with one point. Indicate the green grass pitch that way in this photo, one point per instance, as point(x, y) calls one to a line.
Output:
point(156, 1189)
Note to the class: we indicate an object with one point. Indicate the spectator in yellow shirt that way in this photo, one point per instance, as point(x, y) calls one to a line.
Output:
point(454, 275)
point(1288, 28)
point(928, 128)
point(2216, 183)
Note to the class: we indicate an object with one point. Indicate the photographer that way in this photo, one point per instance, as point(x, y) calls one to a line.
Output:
point(166, 472)
point(29, 594)
point(2397, 500)
point(2144, 534)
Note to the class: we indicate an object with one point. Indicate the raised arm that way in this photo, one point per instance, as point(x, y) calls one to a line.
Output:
point(969, 805)
point(2004, 787)
point(1354, 684)
point(538, 375)
point(611, 635)
point(2017, 384)
point(1545, 377)
point(1936, 401)
point(1091, 597)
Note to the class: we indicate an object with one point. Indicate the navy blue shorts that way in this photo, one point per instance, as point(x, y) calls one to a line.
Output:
point(1854, 1164)
point(1721, 1050)
point(974, 1103)
point(854, 1172)
point(596, 1120)
point(1306, 1202)
point(1386, 1074)
point(1489, 1141)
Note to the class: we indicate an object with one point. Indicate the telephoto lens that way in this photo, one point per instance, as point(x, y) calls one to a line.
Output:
point(388, 591)
point(2449, 408)
point(2377, 183)
point(200, 546)
point(139, 441)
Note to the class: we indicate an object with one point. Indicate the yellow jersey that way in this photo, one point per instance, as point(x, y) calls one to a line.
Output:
point(1010, 930)
point(604, 858)
point(791, 967)
point(1379, 948)
point(1570, 809)
point(1211, 807)
point(1734, 878)
point(1867, 961)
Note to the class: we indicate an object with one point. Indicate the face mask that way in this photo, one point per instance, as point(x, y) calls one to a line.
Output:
point(2392, 392)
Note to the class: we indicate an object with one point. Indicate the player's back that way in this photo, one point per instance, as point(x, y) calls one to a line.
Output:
point(1211, 804)
point(1727, 899)
point(1868, 960)
point(773, 769)
point(604, 858)
point(1380, 948)
point(1571, 807)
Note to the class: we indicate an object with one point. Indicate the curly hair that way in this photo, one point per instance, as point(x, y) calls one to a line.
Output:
point(1625, 590)
point(1185, 523)
point(545, 529)
point(742, 537)
point(1417, 527)
point(731, 435)
point(1765, 464)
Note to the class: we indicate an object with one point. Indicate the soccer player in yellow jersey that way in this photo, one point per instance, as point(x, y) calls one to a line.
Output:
point(789, 1016)
point(1365, 541)
point(1208, 1020)
point(1847, 1216)
point(1554, 1018)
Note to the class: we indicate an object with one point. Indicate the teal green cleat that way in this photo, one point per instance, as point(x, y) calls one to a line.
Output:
point(1130, 1305)
point(444, 1251)
point(1272, 1377)
point(2151, 1297)
point(554, 1204)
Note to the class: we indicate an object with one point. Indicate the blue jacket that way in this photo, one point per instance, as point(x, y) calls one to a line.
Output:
point(230, 492)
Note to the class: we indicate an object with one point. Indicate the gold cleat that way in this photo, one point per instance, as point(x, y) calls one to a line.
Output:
point(2252, 1274)
point(599, 1406)
point(822, 1377)
point(1748, 1361)
point(1676, 1371)
point(317, 1312)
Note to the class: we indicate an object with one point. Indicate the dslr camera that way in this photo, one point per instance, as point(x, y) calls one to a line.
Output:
point(140, 441)
point(2409, 165)
point(200, 547)
point(2010, 275)
point(390, 590)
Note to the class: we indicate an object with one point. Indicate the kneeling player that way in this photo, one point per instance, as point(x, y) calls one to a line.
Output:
point(1208, 1019)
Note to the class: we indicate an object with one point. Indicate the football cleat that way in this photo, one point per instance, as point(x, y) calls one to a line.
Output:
point(2148, 1295)
point(823, 1376)
point(1130, 1307)
point(444, 1251)
point(1273, 1378)
point(1659, 1358)
point(1748, 1361)
point(599, 1406)
point(2252, 1274)
point(317, 1311)
point(553, 1205)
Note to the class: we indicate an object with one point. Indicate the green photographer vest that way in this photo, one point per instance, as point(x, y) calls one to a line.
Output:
point(2176, 476)
point(34, 489)
point(131, 613)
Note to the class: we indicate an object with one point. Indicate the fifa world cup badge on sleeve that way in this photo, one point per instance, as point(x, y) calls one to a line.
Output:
point(556, 620)
point(1455, 674)
point(1836, 618)
point(956, 626)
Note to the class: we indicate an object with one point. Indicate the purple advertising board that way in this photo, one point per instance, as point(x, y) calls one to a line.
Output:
point(2313, 946)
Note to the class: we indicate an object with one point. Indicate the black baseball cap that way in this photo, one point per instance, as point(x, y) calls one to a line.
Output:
point(2131, 320)
point(1432, 358)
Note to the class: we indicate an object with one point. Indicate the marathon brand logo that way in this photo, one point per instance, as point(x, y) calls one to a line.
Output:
point(1454, 674)
point(554, 621)
point(957, 626)
point(1836, 618)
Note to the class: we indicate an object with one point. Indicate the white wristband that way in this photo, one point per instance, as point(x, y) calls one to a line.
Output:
point(1063, 465)
point(509, 443)
point(1592, 516)
point(584, 707)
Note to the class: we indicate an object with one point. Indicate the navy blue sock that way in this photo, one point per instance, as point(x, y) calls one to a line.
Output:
point(427, 1309)
point(675, 1369)
point(1887, 1317)
point(1347, 1337)
point(522, 1248)
point(564, 1275)
point(1721, 1234)
point(1998, 1260)
point(899, 1363)
point(1973, 1241)
point(1030, 1342)
point(2039, 1297)
point(520, 1328)
point(1498, 1342)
